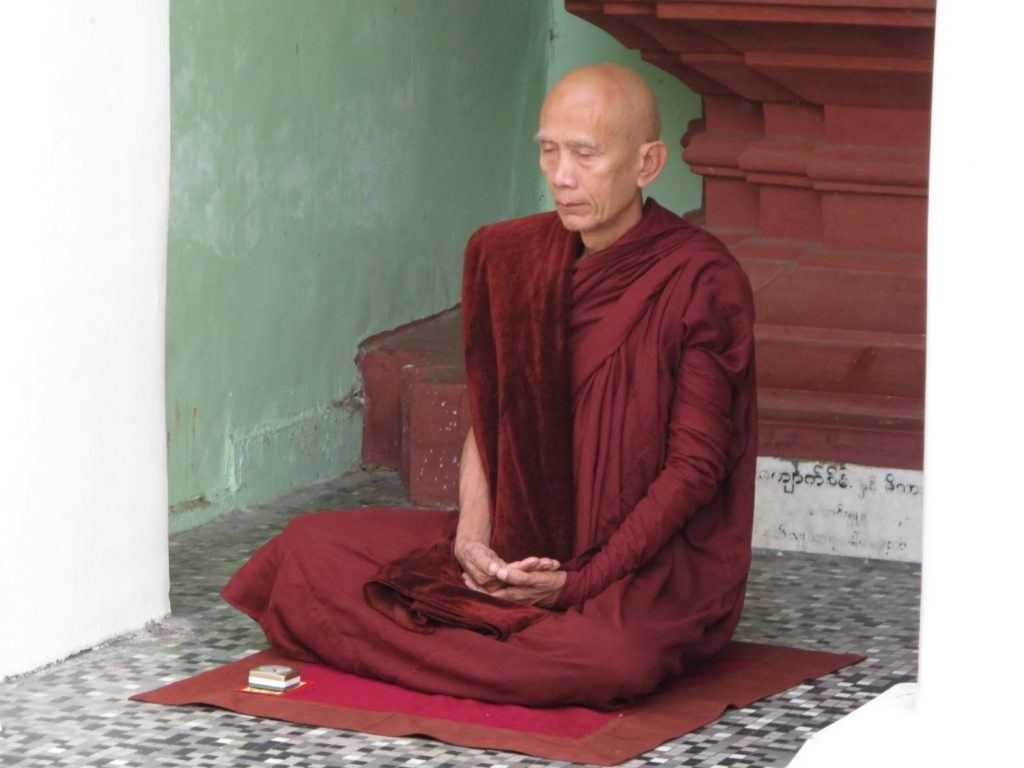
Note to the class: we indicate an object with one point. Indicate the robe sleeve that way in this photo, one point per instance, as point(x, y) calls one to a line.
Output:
point(703, 431)
point(480, 357)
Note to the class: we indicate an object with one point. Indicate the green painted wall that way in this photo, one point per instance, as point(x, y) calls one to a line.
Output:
point(329, 160)
point(574, 42)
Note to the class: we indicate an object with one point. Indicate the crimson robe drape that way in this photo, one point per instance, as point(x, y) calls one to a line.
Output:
point(660, 387)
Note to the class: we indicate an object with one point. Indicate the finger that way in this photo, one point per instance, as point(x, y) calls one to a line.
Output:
point(495, 565)
point(534, 563)
point(479, 564)
point(485, 583)
point(518, 578)
point(478, 576)
point(483, 559)
point(526, 564)
point(470, 583)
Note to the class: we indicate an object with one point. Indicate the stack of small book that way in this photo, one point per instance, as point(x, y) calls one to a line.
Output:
point(273, 677)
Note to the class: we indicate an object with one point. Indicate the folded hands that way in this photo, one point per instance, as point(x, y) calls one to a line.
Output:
point(531, 580)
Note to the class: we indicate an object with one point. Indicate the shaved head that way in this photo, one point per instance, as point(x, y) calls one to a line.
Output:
point(628, 103)
point(599, 147)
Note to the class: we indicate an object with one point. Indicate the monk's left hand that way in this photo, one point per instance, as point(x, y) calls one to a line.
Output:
point(538, 587)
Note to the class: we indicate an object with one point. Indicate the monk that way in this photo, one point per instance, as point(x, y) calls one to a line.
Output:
point(602, 542)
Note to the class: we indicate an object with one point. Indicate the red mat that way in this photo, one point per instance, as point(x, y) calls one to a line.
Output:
point(741, 674)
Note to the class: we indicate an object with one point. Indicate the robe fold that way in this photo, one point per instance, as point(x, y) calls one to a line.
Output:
point(613, 401)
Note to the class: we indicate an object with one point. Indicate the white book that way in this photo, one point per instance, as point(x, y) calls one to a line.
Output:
point(274, 685)
point(273, 676)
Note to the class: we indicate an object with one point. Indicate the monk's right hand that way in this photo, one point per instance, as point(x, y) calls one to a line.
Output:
point(477, 559)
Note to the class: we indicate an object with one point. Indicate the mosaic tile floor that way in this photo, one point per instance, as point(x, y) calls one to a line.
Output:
point(76, 713)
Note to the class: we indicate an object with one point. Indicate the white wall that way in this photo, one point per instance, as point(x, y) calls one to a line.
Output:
point(84, 194)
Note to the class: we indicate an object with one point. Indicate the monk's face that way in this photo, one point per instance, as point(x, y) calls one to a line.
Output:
point(591, 159)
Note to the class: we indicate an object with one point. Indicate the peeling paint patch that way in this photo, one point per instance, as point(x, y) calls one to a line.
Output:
point(353, 404)
point(197, 503)
point(293, 450)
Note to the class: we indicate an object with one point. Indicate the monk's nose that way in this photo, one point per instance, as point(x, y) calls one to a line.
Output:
point(565, 175)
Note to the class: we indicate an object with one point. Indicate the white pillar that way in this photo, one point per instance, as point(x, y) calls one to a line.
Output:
point(84, 172)
point(974, 519)
point(964, 708)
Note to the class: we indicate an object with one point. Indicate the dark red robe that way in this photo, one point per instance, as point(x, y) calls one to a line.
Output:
point(643, 353)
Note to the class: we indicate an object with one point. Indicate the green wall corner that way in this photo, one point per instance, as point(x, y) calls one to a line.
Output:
point(329, 158)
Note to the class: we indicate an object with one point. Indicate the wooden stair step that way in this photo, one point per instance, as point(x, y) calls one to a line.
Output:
point(387, 361)
point(826, 394)
point(873, 430)
point(840, 360)
point(436, 420)
point(841, 297)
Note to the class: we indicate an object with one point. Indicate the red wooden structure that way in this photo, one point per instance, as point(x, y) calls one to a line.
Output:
point(813, 148)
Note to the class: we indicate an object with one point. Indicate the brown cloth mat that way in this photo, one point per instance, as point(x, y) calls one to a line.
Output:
point(738, 676)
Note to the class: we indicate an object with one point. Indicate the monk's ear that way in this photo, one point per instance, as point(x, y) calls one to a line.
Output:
point(653, 156)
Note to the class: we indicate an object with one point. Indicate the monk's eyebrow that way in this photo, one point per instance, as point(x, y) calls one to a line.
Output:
point(574, 144)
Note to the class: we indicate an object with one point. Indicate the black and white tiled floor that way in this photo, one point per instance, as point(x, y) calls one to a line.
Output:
point(76, 713)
